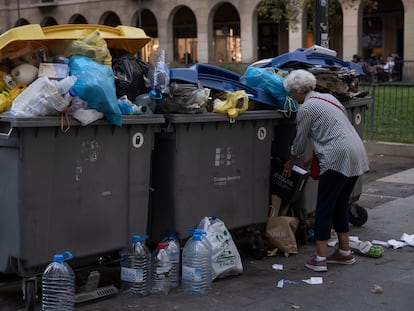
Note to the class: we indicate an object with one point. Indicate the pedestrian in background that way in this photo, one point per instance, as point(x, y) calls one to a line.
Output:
point(323, 120)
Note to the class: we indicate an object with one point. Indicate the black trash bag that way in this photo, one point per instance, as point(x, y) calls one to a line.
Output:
point(183, 98)
point(129, 73)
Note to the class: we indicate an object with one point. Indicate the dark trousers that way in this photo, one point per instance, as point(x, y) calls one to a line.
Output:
point(332, 207)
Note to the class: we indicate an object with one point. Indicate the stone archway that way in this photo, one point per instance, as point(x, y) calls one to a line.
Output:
point(150, 26)
point(110, 19)
point(185, 36)
point(78, 19)
point(226, 34)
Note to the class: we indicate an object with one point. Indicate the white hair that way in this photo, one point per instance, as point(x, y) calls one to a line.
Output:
point(300, 81)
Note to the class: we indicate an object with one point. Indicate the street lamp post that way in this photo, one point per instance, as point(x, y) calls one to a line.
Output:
point(321, 23)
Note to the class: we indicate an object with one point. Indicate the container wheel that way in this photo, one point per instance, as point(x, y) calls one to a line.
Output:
point(30, 295)
point(357, 215)
point(258, 245)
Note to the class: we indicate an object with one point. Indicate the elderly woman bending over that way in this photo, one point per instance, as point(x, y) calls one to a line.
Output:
point(322, 120)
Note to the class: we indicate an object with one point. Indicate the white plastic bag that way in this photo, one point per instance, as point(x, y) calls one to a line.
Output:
point(226, 259)
point(87, 116)
point(41, 98)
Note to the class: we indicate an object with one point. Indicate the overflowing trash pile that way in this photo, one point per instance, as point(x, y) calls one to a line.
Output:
point(87, 76)
point(333, 75)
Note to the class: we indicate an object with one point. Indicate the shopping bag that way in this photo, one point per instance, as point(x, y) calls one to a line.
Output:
point(280, 232)
point(288, 188)
point(226, 259)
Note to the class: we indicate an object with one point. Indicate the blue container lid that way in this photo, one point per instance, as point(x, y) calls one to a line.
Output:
point(188, 75)
point(212, 70)
point(305, 59)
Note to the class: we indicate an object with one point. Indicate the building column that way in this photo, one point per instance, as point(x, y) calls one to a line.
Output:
point(297, 34)
point(246, 35)
point(203, 39)
point(408, 41)
point(352, 30)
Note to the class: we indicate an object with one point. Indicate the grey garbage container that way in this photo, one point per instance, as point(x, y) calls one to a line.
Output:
point(206, 165)
point(85, 190)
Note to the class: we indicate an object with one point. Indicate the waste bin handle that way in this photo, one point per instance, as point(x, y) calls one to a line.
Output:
point(7, 135)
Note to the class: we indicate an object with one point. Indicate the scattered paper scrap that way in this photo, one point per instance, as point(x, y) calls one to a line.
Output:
point(282, 282)
point(408, 238)
point(314, 280)
point(295, 307)
point(332, 242)
point(277, 267)
point(290, 282)
point(396, 244)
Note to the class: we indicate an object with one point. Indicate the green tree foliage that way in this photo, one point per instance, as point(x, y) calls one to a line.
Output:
point(289, 10)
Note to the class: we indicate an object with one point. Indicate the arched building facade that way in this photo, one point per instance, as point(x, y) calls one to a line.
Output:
point(217, 31)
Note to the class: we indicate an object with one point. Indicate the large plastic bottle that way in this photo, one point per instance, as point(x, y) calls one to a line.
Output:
point(135, 268)
point(160, 270)
point(174, 254)
point(58, 285)
point(196, 265)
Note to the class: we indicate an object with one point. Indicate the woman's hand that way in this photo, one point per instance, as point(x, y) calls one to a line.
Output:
point(307, 163)
point(287, 167)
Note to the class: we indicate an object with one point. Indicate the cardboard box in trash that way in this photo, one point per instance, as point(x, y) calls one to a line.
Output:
point(287, 188)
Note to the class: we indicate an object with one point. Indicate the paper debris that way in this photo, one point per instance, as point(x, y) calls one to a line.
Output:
point(277, 267)
point(314, 280)
point(295, 307)
point(290, 282)
point(282, 282)
point(396, 244)
point(332, 242)
point(408, 238)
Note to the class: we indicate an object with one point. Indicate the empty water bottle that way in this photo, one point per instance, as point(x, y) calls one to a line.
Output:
point(196, 265)
point(174, 254)
point(160, 271)
point(135, 268)
point(58, 285)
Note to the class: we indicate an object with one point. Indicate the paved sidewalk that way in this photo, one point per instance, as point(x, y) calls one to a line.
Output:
point(388, 196)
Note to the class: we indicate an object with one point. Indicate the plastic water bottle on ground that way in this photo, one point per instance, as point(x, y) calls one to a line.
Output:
point(58, 285)
point(174, 254)
point(160, 270)
point(135, 268)
point(196, 265)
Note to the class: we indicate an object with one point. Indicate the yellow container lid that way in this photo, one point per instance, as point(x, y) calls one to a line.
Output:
point(128, 38)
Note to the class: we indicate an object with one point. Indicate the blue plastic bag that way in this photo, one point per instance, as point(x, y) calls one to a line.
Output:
point(96, 85)
point(268, 80)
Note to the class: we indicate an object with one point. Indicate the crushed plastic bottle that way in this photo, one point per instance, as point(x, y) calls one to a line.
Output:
point(196, 265)
point(160, 270)
point(58, 285)
point(135, 268)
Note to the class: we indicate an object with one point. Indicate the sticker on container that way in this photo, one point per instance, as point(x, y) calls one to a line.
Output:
point(132, 275)
point(357, 118)
point(261, 133)
point(137, 140)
